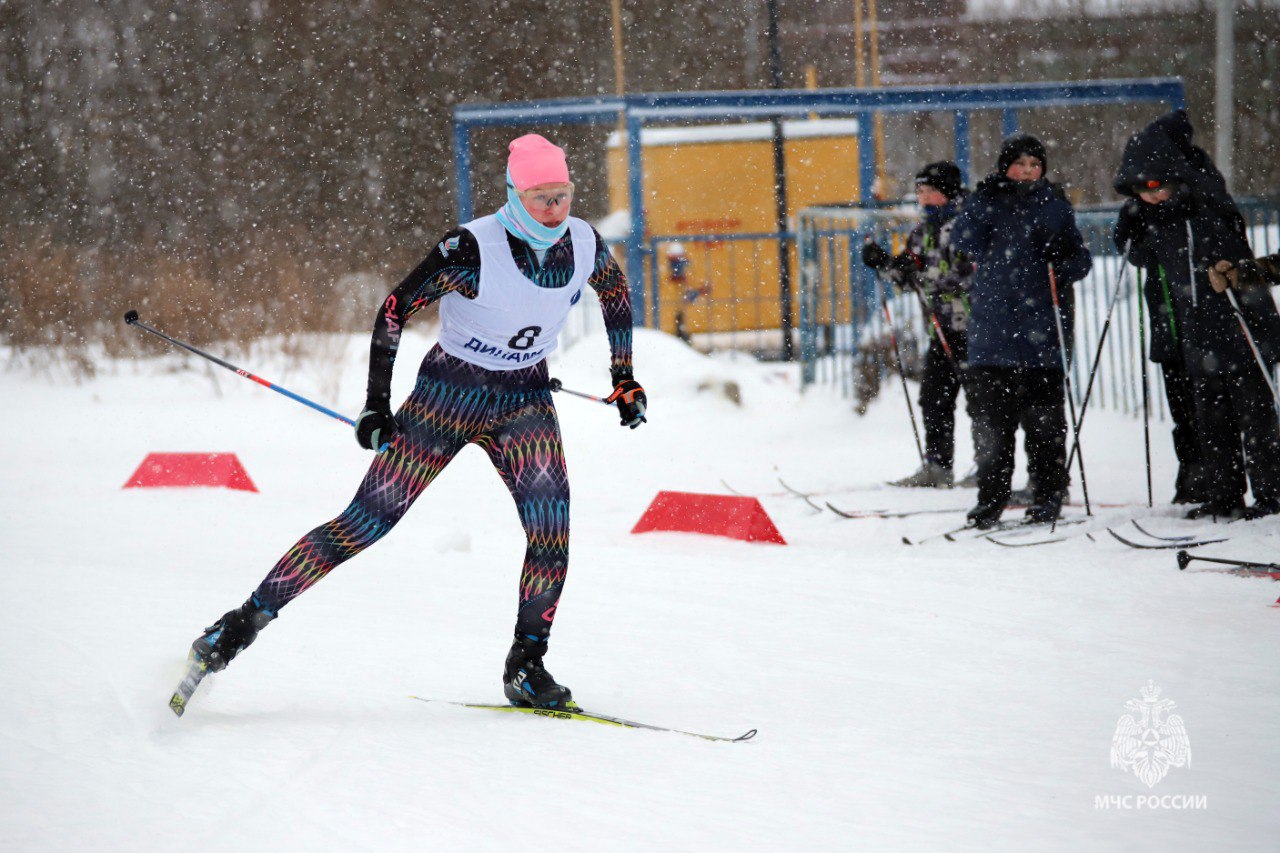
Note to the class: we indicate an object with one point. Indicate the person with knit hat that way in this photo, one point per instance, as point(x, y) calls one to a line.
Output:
point(931, 267)
point(1020, 230)
point(504, 284)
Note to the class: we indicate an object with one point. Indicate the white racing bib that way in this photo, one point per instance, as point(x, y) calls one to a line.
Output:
point(512, 323)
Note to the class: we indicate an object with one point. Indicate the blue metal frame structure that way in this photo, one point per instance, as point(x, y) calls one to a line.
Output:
point(640, 110)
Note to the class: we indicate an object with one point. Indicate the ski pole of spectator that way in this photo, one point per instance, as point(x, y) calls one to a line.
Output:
point(933, 318)
point(1146, 393)
point(1184, 559)
point(1097, 358)
point(1253, 346)
point(902, 374)
point(1066, 381)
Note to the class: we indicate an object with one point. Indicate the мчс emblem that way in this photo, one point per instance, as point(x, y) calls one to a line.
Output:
point(1151, 740)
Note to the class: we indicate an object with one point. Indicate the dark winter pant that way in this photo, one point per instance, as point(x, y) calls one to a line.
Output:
point(1230, 405)
point(938, 390)
point(999, 399)
point(508, 414)
point(1179, 390)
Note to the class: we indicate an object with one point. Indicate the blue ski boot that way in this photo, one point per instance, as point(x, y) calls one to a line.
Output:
point(230, 635)
point(525, 681)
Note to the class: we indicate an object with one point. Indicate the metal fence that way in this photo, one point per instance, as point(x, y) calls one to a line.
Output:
point(842, 330)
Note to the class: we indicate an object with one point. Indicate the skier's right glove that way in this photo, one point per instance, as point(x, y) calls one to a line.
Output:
point(1131, 226)
point(630, 400)
point(375, 427)
point(874, 255)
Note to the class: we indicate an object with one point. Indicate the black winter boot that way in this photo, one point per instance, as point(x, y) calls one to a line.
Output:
point(1217, 510)
point(525, 681)
point(985, 516)
point(1044, 510)
point(231, 634)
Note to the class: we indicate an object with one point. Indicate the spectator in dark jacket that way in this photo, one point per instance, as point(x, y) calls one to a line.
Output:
point(930, 266)
point(1018, 227)
point(1179, 221)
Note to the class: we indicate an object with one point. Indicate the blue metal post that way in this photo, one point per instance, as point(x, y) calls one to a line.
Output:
point(866, 157)
point(1008, 122)
point(462, 168)
point(962, 144)
point(635, 242)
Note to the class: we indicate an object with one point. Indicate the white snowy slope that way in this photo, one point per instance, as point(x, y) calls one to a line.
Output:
point(940, 696)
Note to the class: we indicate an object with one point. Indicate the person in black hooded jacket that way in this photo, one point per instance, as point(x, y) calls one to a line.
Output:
point(1178, 221)
point(1021, 232)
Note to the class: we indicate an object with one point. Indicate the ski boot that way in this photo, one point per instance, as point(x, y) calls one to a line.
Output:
point(985, 516)
point(931, 475)
point(525, 681)
point(230, 635)
point(1260, 509)
point(1044, 510)
point(1215, 510)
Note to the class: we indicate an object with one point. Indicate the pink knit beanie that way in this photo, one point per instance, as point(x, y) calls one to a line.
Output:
point(534, 161)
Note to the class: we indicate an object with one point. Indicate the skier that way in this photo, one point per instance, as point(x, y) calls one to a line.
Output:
point(930, 265)
point(505, 284)
point(1178, 201)
point(1017, 226)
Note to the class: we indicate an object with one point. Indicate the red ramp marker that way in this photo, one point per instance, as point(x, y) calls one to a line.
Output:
point(191, 469)
point(715, 515)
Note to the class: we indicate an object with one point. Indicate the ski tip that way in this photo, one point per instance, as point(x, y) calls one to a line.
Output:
point(906, 541)
point(745, 737)
point(177, 704)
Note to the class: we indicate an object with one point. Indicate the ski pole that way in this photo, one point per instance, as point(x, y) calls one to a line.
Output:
point(555, 385)
point(1185, 558)
point(1146, 398)
point(131, 318)
point(933, 318)
point(902, 374)
point(1097, 359)
point(1248, 336)
point(1066, 381)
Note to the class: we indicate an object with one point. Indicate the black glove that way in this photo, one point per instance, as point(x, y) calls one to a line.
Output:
point(1131, 225)
point(630, 399)
point(874, 255)
point(375, 427)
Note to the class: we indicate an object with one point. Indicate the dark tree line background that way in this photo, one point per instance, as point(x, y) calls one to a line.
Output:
point(239, 168)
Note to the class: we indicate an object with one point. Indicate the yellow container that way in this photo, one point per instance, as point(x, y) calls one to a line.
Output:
point(718, 179)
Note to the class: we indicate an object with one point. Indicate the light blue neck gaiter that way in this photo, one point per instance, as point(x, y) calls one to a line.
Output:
point(524, 227)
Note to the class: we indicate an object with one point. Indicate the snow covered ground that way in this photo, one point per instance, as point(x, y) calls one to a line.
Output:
point(943, 696)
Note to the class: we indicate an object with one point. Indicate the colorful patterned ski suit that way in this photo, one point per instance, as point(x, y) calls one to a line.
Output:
point(509, 414)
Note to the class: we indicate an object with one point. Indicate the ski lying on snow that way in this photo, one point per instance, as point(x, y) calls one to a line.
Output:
point(1008, 544)
point(1146, 532)
point(884, 513)
point(196, 671)
point(573, 712)
point(1159, 546)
